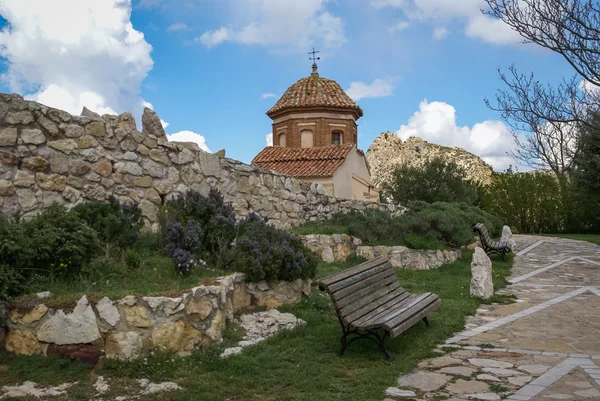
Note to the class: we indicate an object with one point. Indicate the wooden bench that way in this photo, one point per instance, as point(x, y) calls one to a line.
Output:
point(368, 297)
point(488, 244)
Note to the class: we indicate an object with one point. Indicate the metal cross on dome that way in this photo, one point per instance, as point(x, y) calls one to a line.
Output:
point(314, 58)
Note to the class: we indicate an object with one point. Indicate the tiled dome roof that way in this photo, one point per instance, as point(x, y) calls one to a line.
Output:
point(315, 92)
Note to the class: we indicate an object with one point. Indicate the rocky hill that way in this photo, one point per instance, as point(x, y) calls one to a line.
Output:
point(388, 151)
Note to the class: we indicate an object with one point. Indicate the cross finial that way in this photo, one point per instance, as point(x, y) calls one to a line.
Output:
point(314, 59)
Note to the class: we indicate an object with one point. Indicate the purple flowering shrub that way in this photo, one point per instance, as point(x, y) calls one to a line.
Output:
point(264, 252)
point(183, 243)
point(216, 220)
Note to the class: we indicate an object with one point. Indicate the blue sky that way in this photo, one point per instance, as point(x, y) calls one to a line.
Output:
point(210, 68)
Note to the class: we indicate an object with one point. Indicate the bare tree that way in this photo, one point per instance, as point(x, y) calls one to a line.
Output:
point(554, 115)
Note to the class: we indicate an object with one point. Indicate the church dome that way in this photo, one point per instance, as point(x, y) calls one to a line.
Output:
point(314, 92)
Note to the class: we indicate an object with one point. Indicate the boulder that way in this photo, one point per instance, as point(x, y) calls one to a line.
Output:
point(22, 343)
point(77, 327)
point(151, 124)
point(507, 237)
point(108, 311)
point(482, 285)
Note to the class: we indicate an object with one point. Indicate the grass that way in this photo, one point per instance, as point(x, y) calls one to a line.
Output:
point(298, 365)
point(111, 276)
point(593, 238)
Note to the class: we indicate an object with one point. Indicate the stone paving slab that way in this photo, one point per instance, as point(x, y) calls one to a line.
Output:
point(543, 347)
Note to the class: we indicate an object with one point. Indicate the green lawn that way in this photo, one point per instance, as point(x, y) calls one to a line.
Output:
point(296, 365)
point(593, 238)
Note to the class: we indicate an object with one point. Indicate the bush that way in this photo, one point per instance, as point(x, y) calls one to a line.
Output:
point(11, 283)
point(531, 202)
point(264, 252)
point(55, 242)
point(133, 259)
point(183, 244)
point(216, 220)
point(449, 223)
point(370, 225)
point(113, 221)
point(436, 181)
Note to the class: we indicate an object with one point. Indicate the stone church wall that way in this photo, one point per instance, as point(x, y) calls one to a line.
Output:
point(49, 156)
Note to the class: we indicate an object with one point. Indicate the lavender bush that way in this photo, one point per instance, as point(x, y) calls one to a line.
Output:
point(183, 243)
point(264, 252)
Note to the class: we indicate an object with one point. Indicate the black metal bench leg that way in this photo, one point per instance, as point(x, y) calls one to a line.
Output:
point(426, 321)
point(343, 340)
point(386, 352)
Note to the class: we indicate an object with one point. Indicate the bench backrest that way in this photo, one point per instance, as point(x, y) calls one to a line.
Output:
point(484, 234)
point(362, 289)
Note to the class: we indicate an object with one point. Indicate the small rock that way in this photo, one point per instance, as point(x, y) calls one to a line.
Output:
point(101, 385)
point(43, 294)
point(231, 351)
point(31, 389)
point(458, 371)
point(396, 392)
point(488, 378)
point(151, 388)
point(483, 396)
point(520, 380)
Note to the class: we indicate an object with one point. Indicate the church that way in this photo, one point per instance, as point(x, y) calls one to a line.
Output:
point(315, 139)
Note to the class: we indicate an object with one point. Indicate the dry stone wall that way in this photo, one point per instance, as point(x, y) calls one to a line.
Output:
point(132, 326)
point(50, 156)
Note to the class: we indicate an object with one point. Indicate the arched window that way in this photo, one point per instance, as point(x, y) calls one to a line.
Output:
point(306, 139)
point(282, 140)
point(336, 138)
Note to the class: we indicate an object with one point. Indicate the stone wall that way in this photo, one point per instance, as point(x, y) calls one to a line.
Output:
point(134, 325)
point(49, 156)
point(338, 247)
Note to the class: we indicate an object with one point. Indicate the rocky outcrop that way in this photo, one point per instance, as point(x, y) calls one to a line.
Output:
point(332, 248)
point(388, 151)
point(482, 284)
point(49, 156)
point(132, 326)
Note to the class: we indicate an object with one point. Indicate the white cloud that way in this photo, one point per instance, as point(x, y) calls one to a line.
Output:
point(378, 88)
point(269, 139)
point(96, 59)
point(440, 33)
point(466, 12)
point(189, 136)
point(435, 122)
point(285, 24)
point(214, 38)
point(180, 26)
point(164, 123)
point(400, 26)
point(267, 95)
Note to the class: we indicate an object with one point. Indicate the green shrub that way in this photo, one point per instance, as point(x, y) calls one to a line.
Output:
point(133, 259)
point(114, 222)
point(216, 220)
point(370, 225)
point(449, 223)
point(55, 242)
point(11, 283)
point(436, 181)
point(264, 252)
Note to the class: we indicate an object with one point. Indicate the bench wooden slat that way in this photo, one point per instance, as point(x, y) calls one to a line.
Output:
point(382, 320)
point(390, 324)
point(358, 277)
point(397, 295)
point(362, 284)
point(379, 313)
point(332, 278)
point(397, 330)
point(353, 297)
point(368, 296)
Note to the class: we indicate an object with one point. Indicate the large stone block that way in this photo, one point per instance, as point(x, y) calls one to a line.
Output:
point(22, 342)
point(123, 345)
point(8, 137)
point(176, 337)
point(482, 285)
point(77, 327)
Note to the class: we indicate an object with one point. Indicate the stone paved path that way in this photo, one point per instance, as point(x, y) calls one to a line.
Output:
point(543, 347)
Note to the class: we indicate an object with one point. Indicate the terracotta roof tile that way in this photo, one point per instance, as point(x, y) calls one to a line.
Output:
point(314, 91)
point(303, 162)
